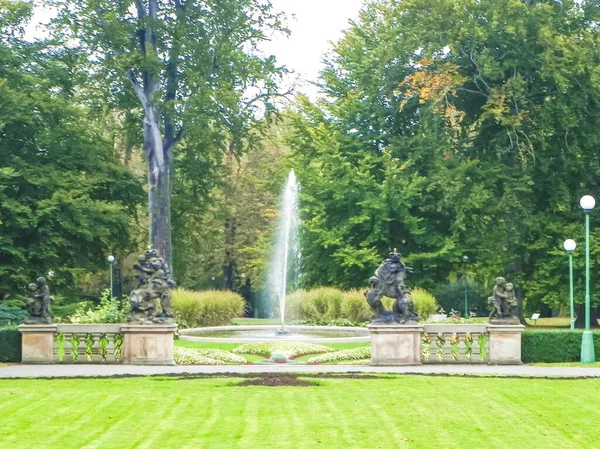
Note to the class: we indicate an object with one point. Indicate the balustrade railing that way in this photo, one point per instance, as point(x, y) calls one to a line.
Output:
point(455, 343)
point(88, 343)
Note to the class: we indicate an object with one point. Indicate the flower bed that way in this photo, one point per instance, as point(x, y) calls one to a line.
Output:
point(342, 356)
point(291, 350)
point(205, 356)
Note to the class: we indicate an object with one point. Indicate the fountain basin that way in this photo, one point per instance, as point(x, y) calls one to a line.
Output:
point(254, 334)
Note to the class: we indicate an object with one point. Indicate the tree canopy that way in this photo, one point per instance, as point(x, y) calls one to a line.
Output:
point(66, 201)
point(453, 128)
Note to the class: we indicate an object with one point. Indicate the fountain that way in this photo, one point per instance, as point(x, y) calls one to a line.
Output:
point(284, 273)
point(285, 262)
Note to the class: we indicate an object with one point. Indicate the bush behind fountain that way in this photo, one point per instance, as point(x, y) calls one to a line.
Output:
point(327, 304)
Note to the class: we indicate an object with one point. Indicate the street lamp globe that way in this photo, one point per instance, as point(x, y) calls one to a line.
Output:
point(111, 259)
point(587, 203)
point(570, 245)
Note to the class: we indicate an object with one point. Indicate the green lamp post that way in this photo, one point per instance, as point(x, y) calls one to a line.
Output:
point(111, 261)
point(587, 203)
point(465, 260)
point(570, 246)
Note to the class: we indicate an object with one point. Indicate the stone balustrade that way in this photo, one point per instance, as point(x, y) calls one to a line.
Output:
point(98, 343)
point(396, 344)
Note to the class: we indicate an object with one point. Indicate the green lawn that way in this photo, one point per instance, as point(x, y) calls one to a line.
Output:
point(398, 412)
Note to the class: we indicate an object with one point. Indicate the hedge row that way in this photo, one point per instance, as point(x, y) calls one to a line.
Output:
point(554, 346)
point(10, 344)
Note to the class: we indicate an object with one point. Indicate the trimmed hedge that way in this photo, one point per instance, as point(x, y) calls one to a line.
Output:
point(554, 346)
point(10, 344)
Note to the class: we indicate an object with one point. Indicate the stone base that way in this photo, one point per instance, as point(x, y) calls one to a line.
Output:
point(148, 344)
point(395, 344)
point(505, 344)
point(37, 343)
point(508, 321)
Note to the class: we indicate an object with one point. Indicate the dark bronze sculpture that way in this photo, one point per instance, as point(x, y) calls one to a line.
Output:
point(389, 281)
point(38, 303)
point(152, 301)
point(503, 302)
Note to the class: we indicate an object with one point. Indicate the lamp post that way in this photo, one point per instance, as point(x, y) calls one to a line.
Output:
point(465, 260)
point(587, 203)
point(111, 261)
point(570, 246)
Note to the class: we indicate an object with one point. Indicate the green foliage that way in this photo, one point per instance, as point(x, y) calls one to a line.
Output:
point(320, 304)
point(110, 310)
point(66, 200)
point(10, 344)
point(206, 308)
point(425, 303)
point(11, 315)
point(452, 297)
point(452, 145)
point(554, 346)
point(355, 307)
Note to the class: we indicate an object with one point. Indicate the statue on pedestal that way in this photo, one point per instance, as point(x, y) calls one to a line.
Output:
point(389, 281)
point(152, 301)
point(38, 303)
point(503, 302)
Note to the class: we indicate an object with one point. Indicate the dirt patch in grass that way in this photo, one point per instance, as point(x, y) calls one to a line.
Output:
point(276, 380)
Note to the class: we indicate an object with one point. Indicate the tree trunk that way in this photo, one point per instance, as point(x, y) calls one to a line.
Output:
point(229, 262)
point(580, 321)
point(159, 202)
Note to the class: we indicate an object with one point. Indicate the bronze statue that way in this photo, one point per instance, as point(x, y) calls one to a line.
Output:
point(38, 303)
point(152, 301)
point(503, 302)
point(389, 281)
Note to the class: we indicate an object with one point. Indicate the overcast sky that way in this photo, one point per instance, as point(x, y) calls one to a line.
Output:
point(313, 23)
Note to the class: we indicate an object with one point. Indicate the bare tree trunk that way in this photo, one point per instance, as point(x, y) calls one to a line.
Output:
point(159, 201)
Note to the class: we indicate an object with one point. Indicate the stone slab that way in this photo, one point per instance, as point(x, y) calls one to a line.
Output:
point(505, 344)
point(37, 343)
point(148, 344)
point(395, 344)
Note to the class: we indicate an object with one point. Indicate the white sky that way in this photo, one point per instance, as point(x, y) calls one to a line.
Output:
point(314, 24)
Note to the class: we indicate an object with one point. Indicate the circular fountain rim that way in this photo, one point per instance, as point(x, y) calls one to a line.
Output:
point(364, 338)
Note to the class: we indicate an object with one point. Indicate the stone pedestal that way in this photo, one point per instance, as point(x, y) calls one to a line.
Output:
point(150, 344)
point(395, 344)
point(505, 344)
point(37, 343)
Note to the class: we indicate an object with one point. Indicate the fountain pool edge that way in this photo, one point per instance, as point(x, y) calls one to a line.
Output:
point(362, 337)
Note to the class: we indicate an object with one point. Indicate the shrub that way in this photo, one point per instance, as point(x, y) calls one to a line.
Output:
point(11, 315)
point(355, 307)
point(425, 303)
point(206, 308)
point(10, 344)
point(322, 304)
point(554, 346)
point(110, 310)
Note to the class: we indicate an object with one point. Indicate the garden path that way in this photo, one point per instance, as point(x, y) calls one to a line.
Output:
point(22, 371)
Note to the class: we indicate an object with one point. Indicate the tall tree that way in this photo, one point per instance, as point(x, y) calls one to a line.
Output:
point(194, 68)
point(66, 201)
point(480, 118)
